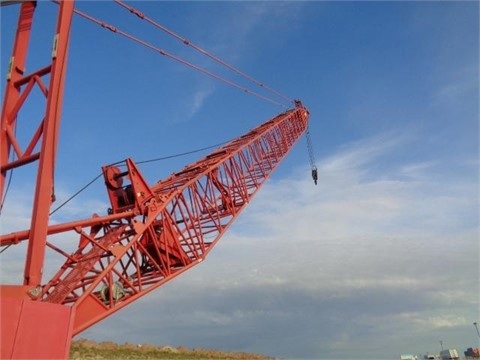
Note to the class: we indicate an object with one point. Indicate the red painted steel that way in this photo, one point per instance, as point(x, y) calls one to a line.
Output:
point(44, 141)
point(151, 234)
point(154, 233)
point(29, 329)
point(12, 97)
point(34, 330)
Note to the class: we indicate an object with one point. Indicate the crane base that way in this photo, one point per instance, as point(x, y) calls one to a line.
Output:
point(34, 330)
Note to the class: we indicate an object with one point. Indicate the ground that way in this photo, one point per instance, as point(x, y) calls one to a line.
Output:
point(87, 349)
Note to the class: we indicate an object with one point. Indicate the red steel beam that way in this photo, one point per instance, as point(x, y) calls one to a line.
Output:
point(32, 329)
point(16, 69)
point(16, 237)
point(43, 144)
point(44, 191)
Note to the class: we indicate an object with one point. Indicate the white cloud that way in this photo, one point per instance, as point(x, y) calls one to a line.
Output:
point(422, 321)
point(354, 156)
point(462, 82)
point(367, 255)
point(16, 213)
point(356, 260)
point(238, 26)
point(17, 217)
point(197, 100)
point(354, 233)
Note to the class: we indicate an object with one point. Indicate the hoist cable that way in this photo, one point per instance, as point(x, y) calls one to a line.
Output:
point(182, 154)
point(4, 198)
point(171, 56)
point(311, 156)
point(138, 163)
point(187, 42)
point(1, 251)
point(74, 195)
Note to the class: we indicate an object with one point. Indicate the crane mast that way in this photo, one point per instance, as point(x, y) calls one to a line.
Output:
point(150, 233)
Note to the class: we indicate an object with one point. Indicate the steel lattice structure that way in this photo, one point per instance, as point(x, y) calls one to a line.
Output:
point(151, 234)
point(154, 233)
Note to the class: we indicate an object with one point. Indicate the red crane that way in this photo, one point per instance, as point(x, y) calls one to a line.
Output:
point(150, 234)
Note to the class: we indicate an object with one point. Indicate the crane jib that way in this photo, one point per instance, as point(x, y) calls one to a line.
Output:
point(177, 222)
point(153, 233)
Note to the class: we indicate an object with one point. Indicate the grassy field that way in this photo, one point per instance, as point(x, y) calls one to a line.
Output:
point(87, 349)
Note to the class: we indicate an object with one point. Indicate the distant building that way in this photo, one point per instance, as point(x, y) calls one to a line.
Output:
point(449, 354)
point(472, 353)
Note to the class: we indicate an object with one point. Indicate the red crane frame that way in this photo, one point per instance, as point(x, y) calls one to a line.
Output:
point(154, 233)
point(34, 329)
point(43, 143)
point(150, 235)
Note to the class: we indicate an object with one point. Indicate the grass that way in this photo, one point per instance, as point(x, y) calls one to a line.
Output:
point(87, 349)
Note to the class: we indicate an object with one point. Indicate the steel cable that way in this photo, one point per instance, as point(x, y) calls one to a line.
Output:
point(187, 42)
point(173, 57)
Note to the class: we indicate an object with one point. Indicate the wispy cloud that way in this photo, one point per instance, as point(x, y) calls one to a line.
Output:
point(460, 83)
point(239, 24)
point(197, 100)
point(388, 253)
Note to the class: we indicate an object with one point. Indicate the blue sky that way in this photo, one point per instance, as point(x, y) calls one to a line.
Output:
point(381, 258)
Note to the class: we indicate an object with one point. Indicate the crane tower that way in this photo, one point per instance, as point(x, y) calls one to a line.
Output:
point(150, 233)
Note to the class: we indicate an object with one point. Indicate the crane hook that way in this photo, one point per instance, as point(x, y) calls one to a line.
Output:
point(315, 174)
